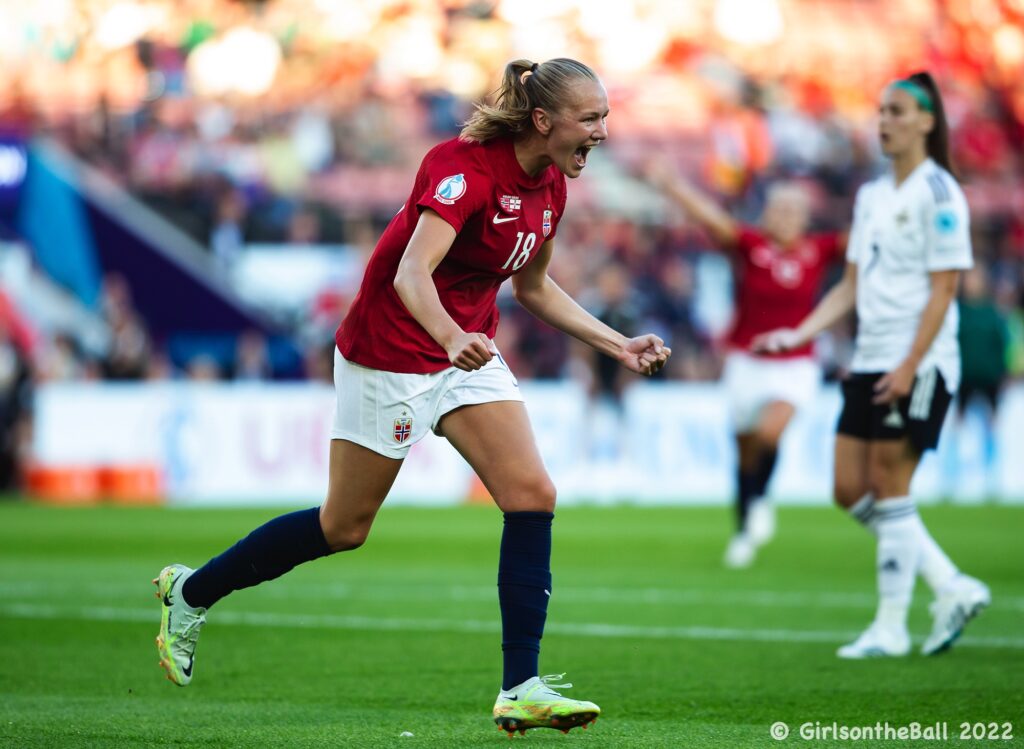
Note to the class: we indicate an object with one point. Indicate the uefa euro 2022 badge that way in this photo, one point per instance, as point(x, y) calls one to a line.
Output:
point(450, 189)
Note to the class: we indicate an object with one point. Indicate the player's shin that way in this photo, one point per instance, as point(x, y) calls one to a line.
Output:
point(524, 587)
point(266, 553)
point(899, 554)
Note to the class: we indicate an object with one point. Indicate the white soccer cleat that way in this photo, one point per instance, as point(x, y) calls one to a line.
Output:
point(877, 642)
point(179, 625)
point(952, 610)
point(761, 521)
point(740, 552)
point(536, 704)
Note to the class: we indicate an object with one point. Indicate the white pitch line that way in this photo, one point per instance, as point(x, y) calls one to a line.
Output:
point(605, 595)
point(584, 629)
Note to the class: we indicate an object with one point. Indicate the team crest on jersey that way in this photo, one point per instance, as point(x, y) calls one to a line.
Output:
point(511, 203)
point(403, 430)
point(787, 272)
point(450, 189)
point(545, 226)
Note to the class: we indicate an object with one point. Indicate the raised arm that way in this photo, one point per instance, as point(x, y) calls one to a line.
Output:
point(427, 247)
point(724, 230)
point(839, 300)
point(536, 291)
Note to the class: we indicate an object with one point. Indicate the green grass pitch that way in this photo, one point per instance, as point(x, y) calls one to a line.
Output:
point(402, 635)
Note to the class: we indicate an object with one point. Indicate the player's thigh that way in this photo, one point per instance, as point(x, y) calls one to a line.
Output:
point(359, 481)
point(891, 466)
point(497, 441)
point(851, 479)
point(774, 418)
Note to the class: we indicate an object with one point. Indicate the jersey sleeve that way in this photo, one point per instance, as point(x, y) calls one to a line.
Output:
point(454, 191)
point(947, 226)
point(858, 231)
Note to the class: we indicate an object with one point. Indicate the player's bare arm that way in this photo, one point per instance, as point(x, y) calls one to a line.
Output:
point(698, 206)
point(428, 246)
point(898, 383)
point(839, 301)
point(538, 293)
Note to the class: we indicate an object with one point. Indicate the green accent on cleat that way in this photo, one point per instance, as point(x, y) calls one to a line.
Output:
point(536, 704)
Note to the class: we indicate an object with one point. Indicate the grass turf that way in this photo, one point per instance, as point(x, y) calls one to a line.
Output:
point(402, 635)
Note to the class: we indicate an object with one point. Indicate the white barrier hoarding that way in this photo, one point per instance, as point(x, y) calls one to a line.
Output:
point(268, 443)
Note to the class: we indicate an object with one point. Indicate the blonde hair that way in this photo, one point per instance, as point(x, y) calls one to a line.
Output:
point(525, 86)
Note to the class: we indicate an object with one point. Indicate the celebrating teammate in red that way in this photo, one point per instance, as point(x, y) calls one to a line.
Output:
point(779, 270)
point(416, 352)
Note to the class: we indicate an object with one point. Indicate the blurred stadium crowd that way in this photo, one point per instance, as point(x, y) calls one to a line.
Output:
point(301, 122)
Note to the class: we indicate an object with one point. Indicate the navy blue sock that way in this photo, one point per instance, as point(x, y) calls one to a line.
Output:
point(746, 491)
point(266, 553)
point(765, 467)
point(524, 586)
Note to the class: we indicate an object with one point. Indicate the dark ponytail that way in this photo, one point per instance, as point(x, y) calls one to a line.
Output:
point(937, 143)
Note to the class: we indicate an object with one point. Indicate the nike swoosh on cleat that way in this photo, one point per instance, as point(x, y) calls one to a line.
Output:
point(498, 220)
point(512, 699)
point(187, 670)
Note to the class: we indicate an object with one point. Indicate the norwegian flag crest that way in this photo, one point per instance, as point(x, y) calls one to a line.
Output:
point(546, 225)
point(403, 429)
point(511, 203)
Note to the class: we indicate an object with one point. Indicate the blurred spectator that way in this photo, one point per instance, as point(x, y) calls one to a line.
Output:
point(611, 301)
point(227, 238)
point(252, 361)
point(15, 390)
point(304, 226)
point(203, 368)
point(63, 360)
point(984, 338)
point(130, 348)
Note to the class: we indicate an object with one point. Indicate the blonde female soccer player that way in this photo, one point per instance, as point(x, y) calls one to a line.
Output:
point(909, 243)
point(416, 353)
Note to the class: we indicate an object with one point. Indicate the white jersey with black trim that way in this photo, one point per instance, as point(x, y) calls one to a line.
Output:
point(900, 235)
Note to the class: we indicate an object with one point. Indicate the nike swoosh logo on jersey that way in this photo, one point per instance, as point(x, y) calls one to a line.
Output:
point(499, 220)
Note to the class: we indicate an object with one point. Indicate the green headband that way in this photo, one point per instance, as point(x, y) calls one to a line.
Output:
point(923, 98)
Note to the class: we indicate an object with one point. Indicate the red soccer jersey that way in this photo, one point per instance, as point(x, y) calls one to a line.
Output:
point(777, 288)
point(501, 216)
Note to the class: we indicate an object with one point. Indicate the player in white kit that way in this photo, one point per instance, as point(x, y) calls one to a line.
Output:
point(909, 243)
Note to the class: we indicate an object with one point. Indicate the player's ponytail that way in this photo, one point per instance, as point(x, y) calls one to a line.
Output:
point(937, 143)
point(525, 86)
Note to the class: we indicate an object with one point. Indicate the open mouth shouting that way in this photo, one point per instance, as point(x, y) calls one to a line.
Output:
point(580, 155)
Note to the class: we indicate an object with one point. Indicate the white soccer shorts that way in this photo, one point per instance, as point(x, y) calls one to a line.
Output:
point(752, 382)
point(389, 412)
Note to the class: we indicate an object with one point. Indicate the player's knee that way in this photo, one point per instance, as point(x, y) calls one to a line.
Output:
point(344, 536)
point(881, 478)
point(534, 494)
point(847, 491)
point(768, 436)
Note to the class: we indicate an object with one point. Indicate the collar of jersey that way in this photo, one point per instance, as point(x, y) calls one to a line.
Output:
point(914, 175)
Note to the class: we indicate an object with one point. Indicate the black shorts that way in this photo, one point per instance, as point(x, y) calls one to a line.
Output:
point(919, 416)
